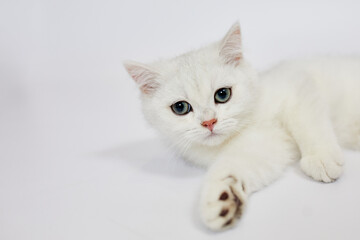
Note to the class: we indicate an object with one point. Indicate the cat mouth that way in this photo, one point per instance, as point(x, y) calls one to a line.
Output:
point(213, 138)
point(212, 135)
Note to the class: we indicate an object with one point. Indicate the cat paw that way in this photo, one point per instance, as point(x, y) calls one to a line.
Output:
point(222, 203)
point(325, 169)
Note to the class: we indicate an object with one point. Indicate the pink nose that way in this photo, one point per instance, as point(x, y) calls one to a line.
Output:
point(209, 124)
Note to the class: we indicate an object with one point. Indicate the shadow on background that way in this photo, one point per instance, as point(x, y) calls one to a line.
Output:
point(152, 156)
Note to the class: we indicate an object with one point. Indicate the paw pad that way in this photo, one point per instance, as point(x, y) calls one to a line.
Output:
point(224, 212)
point(228, 223)
point(224, 196)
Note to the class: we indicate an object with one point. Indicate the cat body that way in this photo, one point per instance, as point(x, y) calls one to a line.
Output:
point(246, 128)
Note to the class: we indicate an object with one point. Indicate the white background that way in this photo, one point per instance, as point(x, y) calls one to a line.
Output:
point(77, 160)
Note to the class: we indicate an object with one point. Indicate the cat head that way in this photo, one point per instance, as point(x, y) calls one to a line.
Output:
point(203, 97)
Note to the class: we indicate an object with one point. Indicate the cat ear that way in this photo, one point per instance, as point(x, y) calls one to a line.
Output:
point(143, 75)
point(230, 48)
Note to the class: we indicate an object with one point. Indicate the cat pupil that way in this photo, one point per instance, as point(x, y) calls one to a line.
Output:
point(179, 106)
point(222, 93)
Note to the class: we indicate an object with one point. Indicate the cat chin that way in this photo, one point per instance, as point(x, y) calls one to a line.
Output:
point(214, 139)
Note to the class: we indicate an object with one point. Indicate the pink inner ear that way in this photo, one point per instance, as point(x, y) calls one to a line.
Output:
point(231, 46)
point(234, 60)
point(143, 76)
point(148, 88)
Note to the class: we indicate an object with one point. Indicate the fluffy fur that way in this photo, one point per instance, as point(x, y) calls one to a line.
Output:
point(300, 110)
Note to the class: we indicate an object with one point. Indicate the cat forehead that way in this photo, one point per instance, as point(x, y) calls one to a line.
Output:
point(193, 61)
point(195, 85)
point(196, 75)
point(195, 69)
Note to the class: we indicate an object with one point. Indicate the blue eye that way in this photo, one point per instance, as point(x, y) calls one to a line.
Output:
point(222, 95)
point(181, 108)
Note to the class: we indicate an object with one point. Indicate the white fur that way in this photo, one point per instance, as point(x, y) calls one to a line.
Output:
point(298, 110)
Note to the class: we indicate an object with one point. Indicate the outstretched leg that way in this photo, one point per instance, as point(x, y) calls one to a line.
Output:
point(248, 164)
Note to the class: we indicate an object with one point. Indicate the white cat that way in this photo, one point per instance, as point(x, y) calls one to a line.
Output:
point(218, 113)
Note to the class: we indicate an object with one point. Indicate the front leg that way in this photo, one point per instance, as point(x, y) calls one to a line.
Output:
point(309, 123)
point(247, 165)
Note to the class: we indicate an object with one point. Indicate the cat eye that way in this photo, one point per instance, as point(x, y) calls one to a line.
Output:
point(181, 108)
point(222, 95)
